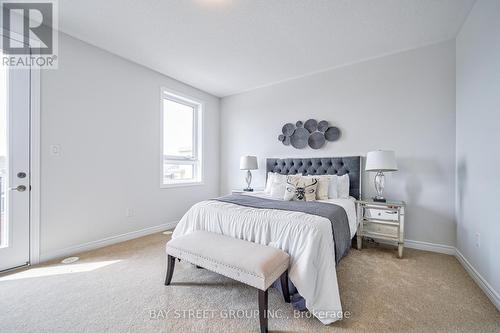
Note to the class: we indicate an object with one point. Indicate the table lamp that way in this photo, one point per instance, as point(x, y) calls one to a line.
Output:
point(248, 163)
point(380, 161)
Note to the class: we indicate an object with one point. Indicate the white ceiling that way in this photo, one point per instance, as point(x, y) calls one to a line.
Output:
point(229, 46)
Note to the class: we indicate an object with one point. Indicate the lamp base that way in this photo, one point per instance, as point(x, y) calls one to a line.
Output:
point(248, 179)
point(379, 199)
point(379, 187)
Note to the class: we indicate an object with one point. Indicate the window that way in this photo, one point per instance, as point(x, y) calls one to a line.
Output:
point(181, 140)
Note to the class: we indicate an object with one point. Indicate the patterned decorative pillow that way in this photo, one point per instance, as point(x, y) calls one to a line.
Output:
point(301, 188)
point(291, 185)
point(323, 186)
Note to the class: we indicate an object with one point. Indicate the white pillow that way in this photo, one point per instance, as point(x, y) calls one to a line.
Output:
point(323, 186)
point(343, 186)
point(278, 189)
point(272, 177)
point(269, 182)
point(339, 187)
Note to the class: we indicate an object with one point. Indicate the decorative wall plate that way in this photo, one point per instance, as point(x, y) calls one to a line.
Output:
point(332, 134)
point(323, 126)
point(288, 129)
point(299, 138)
point(299, 123)
point(311, 125)
point(281, 137)
point(316, 140)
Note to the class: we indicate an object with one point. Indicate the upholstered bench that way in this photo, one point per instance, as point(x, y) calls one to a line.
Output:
point(250, 263)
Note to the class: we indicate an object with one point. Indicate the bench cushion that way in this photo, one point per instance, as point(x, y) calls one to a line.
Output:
point(253, 264)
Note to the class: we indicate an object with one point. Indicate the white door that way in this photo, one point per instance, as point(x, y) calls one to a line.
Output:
point(14, 167)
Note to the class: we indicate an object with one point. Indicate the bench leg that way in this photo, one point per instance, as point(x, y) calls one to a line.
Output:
point(284, 286)
point(263, 310)
point(170, 269)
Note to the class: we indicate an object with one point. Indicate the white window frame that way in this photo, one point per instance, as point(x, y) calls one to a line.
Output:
point(196, 159)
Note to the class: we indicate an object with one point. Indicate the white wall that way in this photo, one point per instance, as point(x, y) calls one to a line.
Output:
point(478, 137)
point(104, 111)
point(404, 102)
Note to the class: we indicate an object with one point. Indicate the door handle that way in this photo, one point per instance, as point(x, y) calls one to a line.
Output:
point(20, 188)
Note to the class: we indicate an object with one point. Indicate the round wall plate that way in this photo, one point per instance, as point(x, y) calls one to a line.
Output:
point(299, 123)
point(299, 138)
point(281, 137)
point(316, 140)
point(311, 125)
point(332, 133)
point(288, 129)
point(323, 126)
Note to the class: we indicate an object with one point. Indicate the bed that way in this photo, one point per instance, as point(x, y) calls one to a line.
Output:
point(306, 237)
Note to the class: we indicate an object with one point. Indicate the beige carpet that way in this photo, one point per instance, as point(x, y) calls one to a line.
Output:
point(114, 289)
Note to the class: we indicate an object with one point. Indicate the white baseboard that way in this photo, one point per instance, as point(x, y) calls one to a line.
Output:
point(105, 242)
point(451, 250)
point(480, 281)
point(424, 246)
point(432, 247)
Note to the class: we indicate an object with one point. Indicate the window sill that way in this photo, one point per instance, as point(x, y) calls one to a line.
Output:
point(181, 184)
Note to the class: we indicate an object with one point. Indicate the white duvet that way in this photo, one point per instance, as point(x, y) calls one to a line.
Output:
point(306, 238)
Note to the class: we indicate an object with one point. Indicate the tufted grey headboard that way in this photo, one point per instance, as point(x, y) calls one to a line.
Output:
point(320, 166)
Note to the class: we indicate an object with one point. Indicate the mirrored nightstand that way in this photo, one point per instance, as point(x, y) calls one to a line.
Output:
point(381, 220)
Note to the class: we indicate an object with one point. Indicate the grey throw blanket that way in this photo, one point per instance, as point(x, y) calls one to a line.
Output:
point(336, 215)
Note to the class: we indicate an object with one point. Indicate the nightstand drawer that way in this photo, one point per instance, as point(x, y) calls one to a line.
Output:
point(389, 230)
point(388, 215)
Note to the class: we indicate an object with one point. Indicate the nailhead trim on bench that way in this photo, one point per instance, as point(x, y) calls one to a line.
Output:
point(216, 262)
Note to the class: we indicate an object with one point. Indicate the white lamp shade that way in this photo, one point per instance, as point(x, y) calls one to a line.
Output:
point(381, 160)
point(248, 163)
